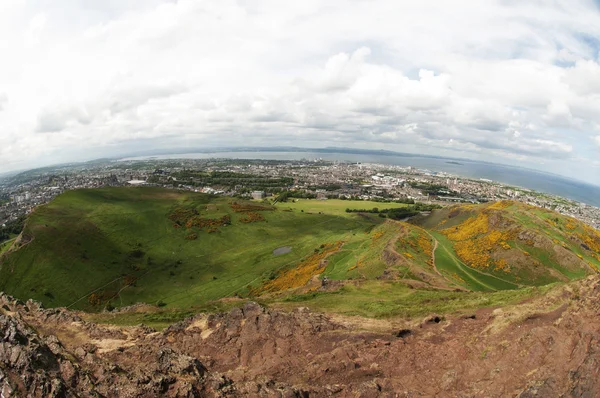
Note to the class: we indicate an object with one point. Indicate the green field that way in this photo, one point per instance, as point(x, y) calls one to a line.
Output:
point(186, 252)
point(334, 206)
point(88, 241)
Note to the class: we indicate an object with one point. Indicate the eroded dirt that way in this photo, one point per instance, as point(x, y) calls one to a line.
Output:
point(545, 347)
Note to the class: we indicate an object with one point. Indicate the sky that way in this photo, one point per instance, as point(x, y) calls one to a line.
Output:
point(507, 81)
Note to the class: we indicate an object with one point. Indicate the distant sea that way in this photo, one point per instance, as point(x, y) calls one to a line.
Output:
point(515, 176)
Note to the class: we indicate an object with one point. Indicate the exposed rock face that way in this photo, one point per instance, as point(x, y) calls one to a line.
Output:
point(37, 366)
point(542, 348)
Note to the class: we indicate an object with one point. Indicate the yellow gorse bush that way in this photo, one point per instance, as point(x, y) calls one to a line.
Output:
point(302, 274)
point(474, 242)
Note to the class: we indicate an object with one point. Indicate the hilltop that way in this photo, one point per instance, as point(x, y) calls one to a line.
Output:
point(184, 252)
point(545, 347)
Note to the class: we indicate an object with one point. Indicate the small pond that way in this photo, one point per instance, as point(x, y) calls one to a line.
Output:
point(282, 250)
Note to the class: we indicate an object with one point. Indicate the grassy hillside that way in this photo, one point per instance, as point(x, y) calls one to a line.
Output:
point(511, 244)
point(187, 251)
point(124, 245)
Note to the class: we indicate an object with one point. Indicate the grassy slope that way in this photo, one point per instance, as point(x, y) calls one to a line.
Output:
point(558, 228)
point(4, 246)
point(381, 299)
point(84, 241)
point(360, 257)
point(526, 218)
point(448, 263)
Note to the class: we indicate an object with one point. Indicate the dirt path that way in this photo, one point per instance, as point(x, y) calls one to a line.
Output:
point(435, 246)
point(6, 245)
point(18, 240)
point(460, 264)
point(9, 240)
point(463, 267)
point(466, 269)
point(444, 284)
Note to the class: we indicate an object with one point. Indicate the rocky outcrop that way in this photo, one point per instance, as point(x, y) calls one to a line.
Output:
point(548, 346)
point(29, 363)
point(34, 365)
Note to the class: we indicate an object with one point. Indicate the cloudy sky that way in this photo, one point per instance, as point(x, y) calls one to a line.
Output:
point(509, 81)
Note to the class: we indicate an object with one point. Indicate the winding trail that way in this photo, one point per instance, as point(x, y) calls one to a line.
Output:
point(462, 266)
point(443, 284)
point(93, 291)
point(435, 246)
point(6, 245)
point(469, 270)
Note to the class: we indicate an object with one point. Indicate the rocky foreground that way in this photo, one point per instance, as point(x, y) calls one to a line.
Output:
point(546, 347)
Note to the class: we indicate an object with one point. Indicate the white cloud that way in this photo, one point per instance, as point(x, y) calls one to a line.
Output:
point(493, 80)
point(3, 101)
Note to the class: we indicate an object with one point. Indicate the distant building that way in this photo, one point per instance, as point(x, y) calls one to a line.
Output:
point(258, 195)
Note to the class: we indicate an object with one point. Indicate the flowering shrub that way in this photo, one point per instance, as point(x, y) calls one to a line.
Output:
point(252, 217)
point(591, 238)
point(502, 204)
point(474, 242)
point(191, 236)
point(211, 223)
point(302, 274)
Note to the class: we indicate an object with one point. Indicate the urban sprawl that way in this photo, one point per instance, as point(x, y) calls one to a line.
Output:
point(259, 179)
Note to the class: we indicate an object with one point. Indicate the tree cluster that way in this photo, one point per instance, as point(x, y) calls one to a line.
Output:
point(432, 189)
point(284, 196)
point(12, 228)
point(397, 213)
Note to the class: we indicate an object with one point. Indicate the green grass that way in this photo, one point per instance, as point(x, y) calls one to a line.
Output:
point(438, 216)
point(84, 242)
point(4, 246)
point(335, 206)
point(409, 245)
point(384, 299)
point(448, 262)
point(92, 241)
point(361, 256)
point(538, 269)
